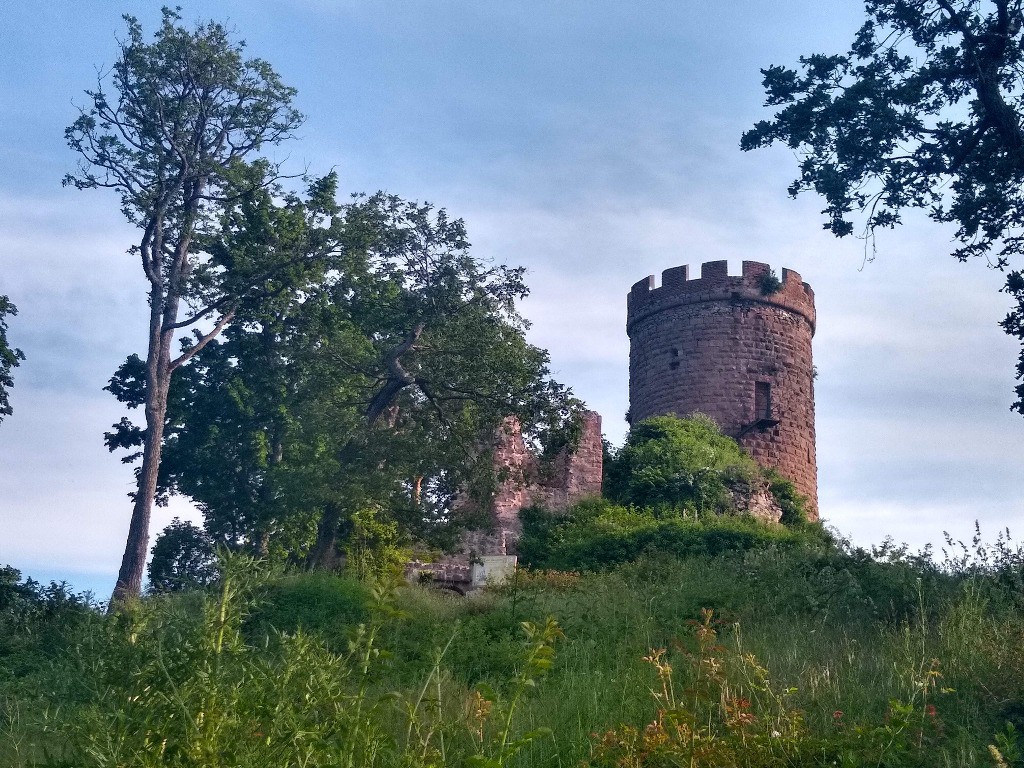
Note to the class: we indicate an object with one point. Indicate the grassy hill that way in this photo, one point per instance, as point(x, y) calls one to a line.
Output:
point(696, 643)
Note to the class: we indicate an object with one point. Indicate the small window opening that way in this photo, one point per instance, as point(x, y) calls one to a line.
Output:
point(674, 362)
point(762, 401)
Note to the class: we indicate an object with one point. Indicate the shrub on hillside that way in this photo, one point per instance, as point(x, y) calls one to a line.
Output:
point(688, 465)
point(792, 503)
point(668, 462)
point(34, 620)
point(596, 534)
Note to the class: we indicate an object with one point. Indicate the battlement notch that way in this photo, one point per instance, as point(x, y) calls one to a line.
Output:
point(715, 283)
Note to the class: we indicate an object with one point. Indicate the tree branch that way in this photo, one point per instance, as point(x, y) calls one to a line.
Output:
point(425, 389)
point(203, 341)
point(398, 378)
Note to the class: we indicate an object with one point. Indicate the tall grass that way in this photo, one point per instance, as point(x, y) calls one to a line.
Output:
point(852, 658)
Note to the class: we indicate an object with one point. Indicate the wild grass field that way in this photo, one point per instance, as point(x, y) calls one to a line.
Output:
point(761, 648)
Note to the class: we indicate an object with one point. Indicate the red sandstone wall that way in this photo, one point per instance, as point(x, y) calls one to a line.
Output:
point(571, 476)
point(704, 344)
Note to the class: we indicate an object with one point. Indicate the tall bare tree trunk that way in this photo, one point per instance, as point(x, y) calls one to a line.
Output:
point(188, 108)
point(158, 376)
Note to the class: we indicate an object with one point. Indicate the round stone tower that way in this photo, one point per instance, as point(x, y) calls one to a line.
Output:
point(735, 348)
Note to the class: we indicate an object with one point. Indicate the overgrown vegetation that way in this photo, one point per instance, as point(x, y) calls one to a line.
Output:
point(332, 411)
point(687, 467)
point(597, 534)
point(791, 650)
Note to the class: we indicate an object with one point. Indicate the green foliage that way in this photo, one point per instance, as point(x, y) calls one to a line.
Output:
point(10, 357)
point(165, 687)
point(175, 127)
point(369, 390)
point(923, 112)
point(230, 410)
point(674, 463)
point(187, 107)
point(996, 569)
point(357, 353)
point(723, 708)
point(25, 602)
point(176, 682)
point(671, 466)
point(183, 558)
point(791, 501)
point(770, 283)
point(35, 622)
point(851, 658)
point(325, 603)
point(373, 547)
point(596, 534)
point(492, 717)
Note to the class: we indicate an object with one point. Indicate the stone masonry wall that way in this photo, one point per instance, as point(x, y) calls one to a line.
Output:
point(710, 344)
point(523, 480)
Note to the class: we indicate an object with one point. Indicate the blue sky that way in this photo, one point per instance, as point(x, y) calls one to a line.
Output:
point(590, 141)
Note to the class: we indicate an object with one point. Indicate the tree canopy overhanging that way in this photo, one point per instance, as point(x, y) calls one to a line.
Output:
point(923, 112)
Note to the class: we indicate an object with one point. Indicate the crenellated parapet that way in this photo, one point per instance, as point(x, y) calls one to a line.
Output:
point(715, 284)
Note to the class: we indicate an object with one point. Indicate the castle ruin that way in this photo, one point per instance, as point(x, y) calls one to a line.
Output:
point(737, 348)
point(522, 479)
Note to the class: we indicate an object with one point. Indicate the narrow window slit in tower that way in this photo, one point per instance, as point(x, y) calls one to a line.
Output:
point(674, 362)
point(762, 401)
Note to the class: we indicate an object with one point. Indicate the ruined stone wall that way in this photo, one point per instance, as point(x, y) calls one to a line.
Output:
point(717, 344)
point(573, 474)
point(524, 480)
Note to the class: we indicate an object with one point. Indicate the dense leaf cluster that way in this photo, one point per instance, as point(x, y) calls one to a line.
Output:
point(923, 112)
point(597, 534)
point(341, 359)
point(368, 390)
point(682, 463)
point(687, 465)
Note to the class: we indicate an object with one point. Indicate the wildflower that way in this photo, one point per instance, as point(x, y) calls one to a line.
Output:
point(775, 734)
point(930, 710)
point(837, 715)
point(480, 709)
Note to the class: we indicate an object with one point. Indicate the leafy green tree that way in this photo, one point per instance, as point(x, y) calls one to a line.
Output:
point(176, 137)
point(674, 463)
point(923, 112)
point(369, 391)
point(231, 392)
point(9, 358)
point(184, 557)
